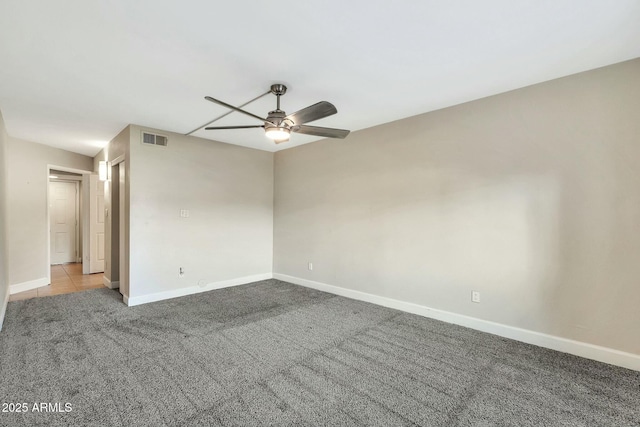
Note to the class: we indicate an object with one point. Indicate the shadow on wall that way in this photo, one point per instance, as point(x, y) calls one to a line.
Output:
point(456, 234)
point(551, 251)
point(595, 295)
point(529, 197)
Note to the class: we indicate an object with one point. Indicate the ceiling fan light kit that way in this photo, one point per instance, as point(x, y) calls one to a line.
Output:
point(277, 133)
point(278, 125)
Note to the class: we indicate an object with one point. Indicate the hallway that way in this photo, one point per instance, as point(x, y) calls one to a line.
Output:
point(65, 279)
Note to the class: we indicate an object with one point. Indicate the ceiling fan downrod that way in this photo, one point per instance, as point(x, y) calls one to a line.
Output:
point(278, 90)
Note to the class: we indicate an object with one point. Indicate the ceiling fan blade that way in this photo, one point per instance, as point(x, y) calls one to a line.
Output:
point(224, 104)
point(320, 131)
point(313, 112)
point(232, 127)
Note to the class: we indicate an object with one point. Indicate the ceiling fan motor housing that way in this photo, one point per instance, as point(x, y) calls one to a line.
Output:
point(275, 118)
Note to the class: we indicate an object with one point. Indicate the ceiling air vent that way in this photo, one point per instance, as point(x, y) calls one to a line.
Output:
point(153, 139)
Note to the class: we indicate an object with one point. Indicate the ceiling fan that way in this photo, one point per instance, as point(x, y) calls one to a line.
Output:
point(278, 125)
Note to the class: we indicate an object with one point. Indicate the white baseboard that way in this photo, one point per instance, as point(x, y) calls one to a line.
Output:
point(174, 293)
point(3, 308)
point(27, 286)
point(589, 351)
point(109, 284)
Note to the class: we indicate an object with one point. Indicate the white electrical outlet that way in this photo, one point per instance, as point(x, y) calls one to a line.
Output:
point(475, 296)
point(310, 266)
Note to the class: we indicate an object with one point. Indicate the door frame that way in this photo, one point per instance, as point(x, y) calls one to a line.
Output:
point(91, 257)
point(84, 209)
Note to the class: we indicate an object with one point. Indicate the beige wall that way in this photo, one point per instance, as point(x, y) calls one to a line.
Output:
point(27, 205)
point(530, 197)
point(229, 234)
point(4, 276)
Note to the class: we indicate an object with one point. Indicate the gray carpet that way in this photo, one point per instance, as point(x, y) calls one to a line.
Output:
point(272, 353)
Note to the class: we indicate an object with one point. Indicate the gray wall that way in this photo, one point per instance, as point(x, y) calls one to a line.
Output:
point(530, 197)
point(229, 192)
point(27, 205)
point(4, 276)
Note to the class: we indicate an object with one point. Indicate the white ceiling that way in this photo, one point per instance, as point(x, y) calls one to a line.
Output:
point(74, 73)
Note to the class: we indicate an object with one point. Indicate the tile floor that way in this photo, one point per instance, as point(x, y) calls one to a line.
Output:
point(65, 279)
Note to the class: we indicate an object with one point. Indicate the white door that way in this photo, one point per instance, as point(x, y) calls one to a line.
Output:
point(63, 217)
point(96, 225)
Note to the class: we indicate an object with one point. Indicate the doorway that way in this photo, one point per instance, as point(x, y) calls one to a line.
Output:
point(76, 229)
point(68, 197)
point(116, 270)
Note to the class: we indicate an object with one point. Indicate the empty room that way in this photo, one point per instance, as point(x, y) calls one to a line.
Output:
point(320, 213)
